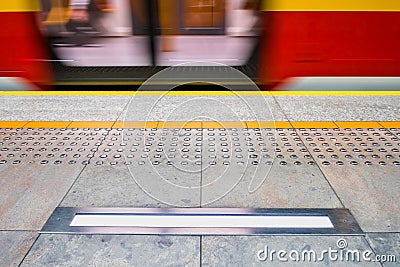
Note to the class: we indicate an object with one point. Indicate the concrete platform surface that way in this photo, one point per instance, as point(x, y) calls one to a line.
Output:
point(190, 149)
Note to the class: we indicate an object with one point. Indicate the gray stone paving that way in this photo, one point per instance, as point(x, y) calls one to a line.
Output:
point(203, 108)
point(224, 108)
point(387, 245)
point(264, 177)
point(29, 193)
point(250, 251)
point(108, 186)
point(116, 250)
point(361, 168)
point(340, 108)
point(44, 186)
point(14, 245)
point(62, 108)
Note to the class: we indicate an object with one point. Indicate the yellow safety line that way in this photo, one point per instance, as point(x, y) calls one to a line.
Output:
point(135, 124)
point(358, 124)
point(12, 124)
point(47, 124)
point(223, 124)
point(200, 124)
point(331, 5)
point(19, 5)
point(199, 93)
point(268, 124)
point(313, 124)
point(180, 124)
point(335, 93)
point(91, 124)
point(390, 124)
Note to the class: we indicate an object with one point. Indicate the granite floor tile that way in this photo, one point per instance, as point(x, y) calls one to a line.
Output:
point(340, 108)
point(286, 251)
point(14, 245)
point(114, 250)
point(387, 245)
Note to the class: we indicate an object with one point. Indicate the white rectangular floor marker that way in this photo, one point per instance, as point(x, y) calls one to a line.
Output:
point(201, 221)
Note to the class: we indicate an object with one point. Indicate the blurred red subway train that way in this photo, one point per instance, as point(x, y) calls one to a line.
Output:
point(48, 43)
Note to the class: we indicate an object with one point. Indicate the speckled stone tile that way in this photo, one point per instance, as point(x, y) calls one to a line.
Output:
point(108, 186)
point(340, 108)
point(208, 108)
point(117, 186)
point(370, 193)
point(262, 168)
point(283, 187)
point(62, 108)
point(14, 245)
point(360, 165)
point(387, 245)
point(296, 251)
point(142, 168)
point(30, 193)
point(38, 166)
point(114, 250)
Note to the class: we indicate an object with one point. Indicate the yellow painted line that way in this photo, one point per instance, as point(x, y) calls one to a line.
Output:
point(255, 124)
point(335, 93)
point(12, 124)
point(283, 124)
point(199, 93)
point(199, 124)
point(135, 124)
point(358, 124)
point(331, 5)
point(268, 124)
point(19, 5)
point(91, 124)
point(313, 124)
point(180, 124)
point(223, 124)
point(47, 124)
point(390, 124)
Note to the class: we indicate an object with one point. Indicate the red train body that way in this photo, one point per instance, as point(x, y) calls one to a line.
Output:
point(333, 38)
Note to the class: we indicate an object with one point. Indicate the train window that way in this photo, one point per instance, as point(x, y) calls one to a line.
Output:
point(150, 32)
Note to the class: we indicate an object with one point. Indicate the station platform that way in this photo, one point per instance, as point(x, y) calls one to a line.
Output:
point(289, 151)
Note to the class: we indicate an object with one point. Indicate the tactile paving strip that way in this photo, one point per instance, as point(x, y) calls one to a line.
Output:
point(49, 145)
point(184, 146)
point(172, 147)
point(351, 147)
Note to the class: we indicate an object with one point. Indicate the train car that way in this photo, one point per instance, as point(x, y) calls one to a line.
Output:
point(356, 42)
point(24, 63)
point(334, 38)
